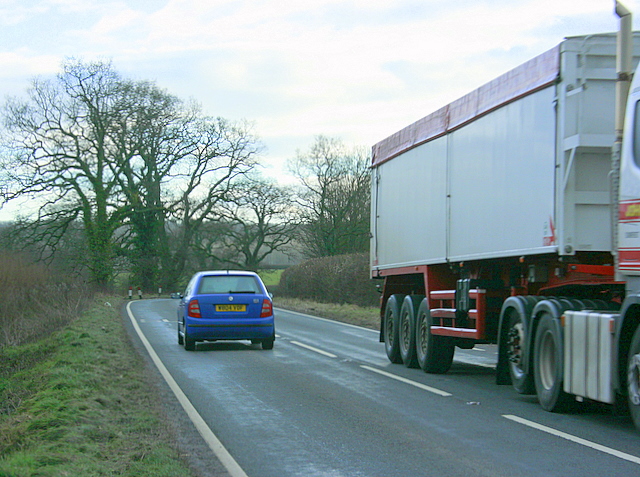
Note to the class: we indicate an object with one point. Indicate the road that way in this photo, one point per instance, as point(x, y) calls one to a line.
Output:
point(327, 402)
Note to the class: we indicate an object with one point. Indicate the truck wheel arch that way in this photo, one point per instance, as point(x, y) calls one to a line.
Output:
point(551, 305)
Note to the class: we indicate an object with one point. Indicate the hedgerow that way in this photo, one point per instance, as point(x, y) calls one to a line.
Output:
point(34, 301)
point(340, 279)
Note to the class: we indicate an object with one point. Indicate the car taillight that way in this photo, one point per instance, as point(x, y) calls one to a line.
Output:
point(267, 308)
point(193, 310)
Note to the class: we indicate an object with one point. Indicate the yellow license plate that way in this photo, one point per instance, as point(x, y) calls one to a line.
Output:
point(231, 307)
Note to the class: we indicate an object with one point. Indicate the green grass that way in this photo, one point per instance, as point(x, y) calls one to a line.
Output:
point(78, 403)
point(271, 278)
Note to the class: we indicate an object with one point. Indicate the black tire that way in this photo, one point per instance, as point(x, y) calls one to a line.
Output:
point(268, 343)
point(189, 343)
point(407, 330)
point(633, 379)
point(516, 343)
point(180, 338)
point(391, 325)
point(548, 362)
point(434, 353)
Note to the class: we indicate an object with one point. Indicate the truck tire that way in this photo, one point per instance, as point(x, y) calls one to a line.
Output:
point(548, 365)
point(633, 379)
point(434, 353)
point(516, 311)
point(391, 325)
point(407, 330)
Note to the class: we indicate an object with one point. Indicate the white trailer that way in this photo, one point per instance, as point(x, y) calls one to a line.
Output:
point(518, 167)
point(493, 220)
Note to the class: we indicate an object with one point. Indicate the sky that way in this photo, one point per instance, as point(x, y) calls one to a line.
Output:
point(357, 70)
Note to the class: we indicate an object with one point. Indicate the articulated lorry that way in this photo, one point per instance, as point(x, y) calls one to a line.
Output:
point(512, 216)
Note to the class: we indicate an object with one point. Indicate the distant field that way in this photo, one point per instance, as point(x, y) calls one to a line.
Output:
point(271, 278)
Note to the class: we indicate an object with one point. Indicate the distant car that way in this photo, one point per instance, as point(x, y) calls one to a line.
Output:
point(226, 305)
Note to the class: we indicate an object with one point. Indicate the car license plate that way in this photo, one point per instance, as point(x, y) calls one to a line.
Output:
point(231, 307)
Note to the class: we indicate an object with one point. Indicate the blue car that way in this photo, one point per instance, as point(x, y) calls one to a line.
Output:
point(226, 305)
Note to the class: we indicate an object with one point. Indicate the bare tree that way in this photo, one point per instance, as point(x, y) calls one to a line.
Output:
point(60, 153)
point(258, 221)
point(181, 165)
point(150, 139)
point(225, 153)
point(136, 167)
point(334, 198)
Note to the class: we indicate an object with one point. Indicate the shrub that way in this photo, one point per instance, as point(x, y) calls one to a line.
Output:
point(340, 279)
point(34, 302)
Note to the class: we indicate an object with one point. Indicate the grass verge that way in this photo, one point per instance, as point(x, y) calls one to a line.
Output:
point(367, 317)
point(79, 403)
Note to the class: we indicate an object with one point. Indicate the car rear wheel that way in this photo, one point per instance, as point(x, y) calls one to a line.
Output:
point(180, 337)
point(268, 344)
point(189, 343)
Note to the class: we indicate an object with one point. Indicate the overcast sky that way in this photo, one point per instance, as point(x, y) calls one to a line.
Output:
point(359, 70)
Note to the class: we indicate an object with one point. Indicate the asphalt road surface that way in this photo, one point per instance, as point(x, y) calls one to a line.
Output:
point(327, 402)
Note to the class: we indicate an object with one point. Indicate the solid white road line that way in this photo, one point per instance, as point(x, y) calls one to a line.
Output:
point(577, 440)
point(316, 350)
point(407, 381)
point(207, 434)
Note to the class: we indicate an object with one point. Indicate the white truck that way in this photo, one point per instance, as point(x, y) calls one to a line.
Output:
point(509, 216)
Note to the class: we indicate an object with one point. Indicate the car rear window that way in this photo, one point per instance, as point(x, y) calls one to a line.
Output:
point(215, 284)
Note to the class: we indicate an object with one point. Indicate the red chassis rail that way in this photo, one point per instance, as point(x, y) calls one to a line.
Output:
point(479, 322)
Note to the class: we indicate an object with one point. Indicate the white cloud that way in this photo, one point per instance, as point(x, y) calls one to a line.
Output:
point(358, 69)
point(112, 23)
point(17, 68)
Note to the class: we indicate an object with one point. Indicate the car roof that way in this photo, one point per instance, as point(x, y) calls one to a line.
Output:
point(228, 272)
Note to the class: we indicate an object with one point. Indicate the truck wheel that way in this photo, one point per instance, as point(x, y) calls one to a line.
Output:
point(406, 331)
point(434, 353)
point(548, 365)
point(189, 343)
point(516, 342)
point(391, 325)
point(633, 379)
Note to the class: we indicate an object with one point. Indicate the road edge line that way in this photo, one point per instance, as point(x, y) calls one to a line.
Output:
point(207, 434)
